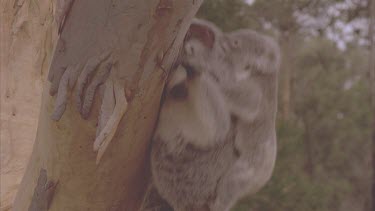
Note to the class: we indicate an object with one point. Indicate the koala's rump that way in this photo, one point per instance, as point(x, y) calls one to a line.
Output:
point(188, 179)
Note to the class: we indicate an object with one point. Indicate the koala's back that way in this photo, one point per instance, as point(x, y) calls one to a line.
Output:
point(188, 179)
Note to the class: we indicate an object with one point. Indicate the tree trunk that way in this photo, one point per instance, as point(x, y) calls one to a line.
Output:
point(372, 91)
point(143, 38)
point(26, 40)
point(286, 75)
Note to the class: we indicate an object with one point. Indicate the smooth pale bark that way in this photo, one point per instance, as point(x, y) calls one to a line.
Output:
point(144, 37)
point(26, 45)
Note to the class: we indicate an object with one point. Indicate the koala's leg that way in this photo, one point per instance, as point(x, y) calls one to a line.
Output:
point(244, 99)
point(233, 186)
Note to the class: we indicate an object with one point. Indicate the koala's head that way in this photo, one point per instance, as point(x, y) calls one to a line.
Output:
point(229, 56)
point(203, 48)
point(252, 52)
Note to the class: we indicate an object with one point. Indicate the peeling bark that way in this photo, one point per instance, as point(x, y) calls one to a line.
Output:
point(43, 193)
point(105, 136)
point(106, 108)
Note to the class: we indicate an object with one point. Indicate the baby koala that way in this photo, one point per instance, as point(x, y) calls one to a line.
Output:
point(193, 145)
point(245, 64)
point(231, 58)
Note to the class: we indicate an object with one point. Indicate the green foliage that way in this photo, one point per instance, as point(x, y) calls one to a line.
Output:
point(227, 14)
point(338, 118)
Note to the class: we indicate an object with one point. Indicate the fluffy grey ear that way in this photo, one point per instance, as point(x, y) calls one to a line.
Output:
point(204, 31)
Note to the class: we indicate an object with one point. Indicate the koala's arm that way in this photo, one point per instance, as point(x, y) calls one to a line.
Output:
point(243, 99)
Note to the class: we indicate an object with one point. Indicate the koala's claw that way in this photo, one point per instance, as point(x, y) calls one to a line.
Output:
point(62, 95)
point(98, 79)
point(114, 103)
point(66, 83)
point(64, 80)
point(87, 71)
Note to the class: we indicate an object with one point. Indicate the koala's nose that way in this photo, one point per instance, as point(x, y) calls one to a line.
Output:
point(191, 72)
point(179, 91)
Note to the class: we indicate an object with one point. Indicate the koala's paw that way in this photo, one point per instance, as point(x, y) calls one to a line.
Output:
point(84, 100)
point(63, 81)
point(85, 80)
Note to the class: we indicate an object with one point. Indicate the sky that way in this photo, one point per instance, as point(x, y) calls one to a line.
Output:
point(250, 2)
point(341, 31)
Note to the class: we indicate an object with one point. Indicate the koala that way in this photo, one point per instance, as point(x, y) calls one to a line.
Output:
point(193, 144)
point(245, 64)
point(215, 140)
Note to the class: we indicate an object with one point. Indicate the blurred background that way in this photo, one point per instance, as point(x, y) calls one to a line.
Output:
point(325, 117)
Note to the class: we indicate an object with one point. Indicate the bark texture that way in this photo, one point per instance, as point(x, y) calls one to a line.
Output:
point(143, 38)
point(26, 44)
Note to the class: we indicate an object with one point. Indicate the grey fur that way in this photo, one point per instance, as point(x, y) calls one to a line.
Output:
point(193, 145)
point(248, 77)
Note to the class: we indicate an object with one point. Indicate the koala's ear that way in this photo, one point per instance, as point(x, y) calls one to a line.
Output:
point(204, 31)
